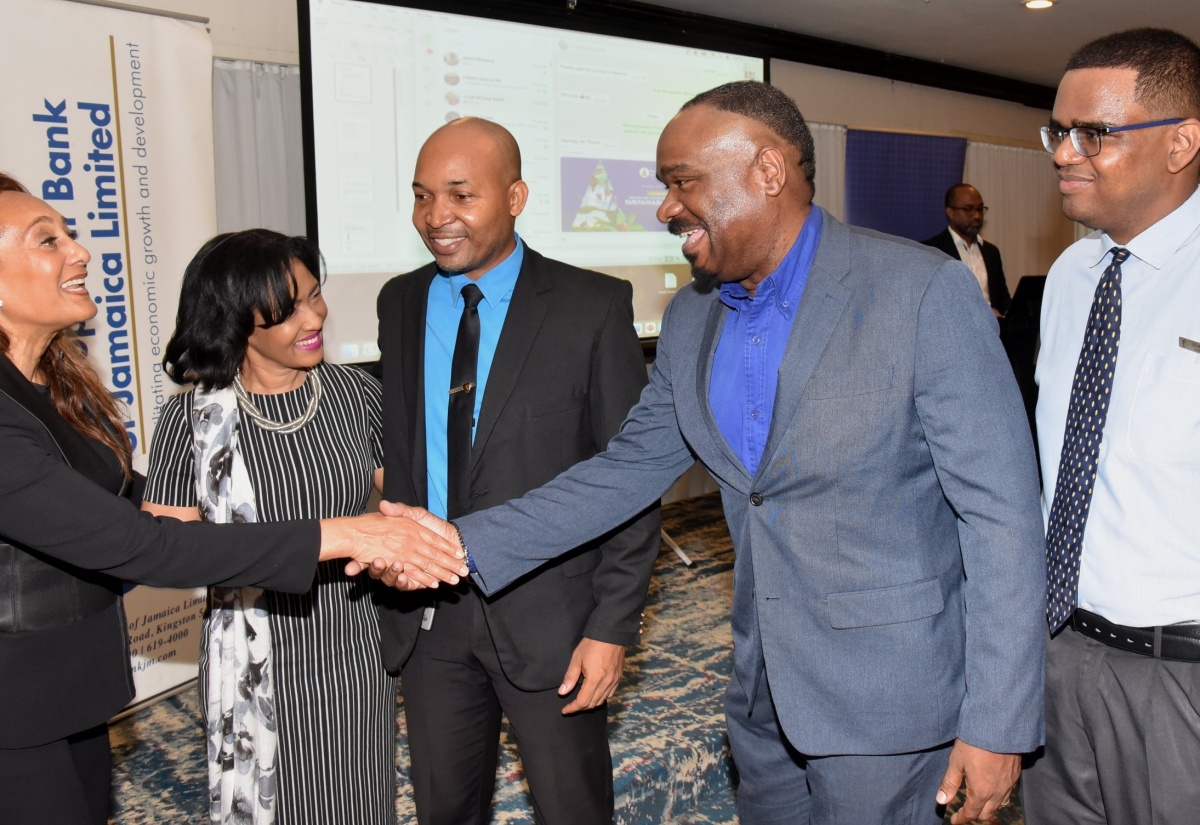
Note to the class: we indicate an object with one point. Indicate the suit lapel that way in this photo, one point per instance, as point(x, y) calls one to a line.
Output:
point(75, 449)
point(412, 375)
point(713, 325)
point(822, 305)
point(522, 322)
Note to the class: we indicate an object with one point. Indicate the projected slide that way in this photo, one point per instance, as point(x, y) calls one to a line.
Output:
point(586, 110)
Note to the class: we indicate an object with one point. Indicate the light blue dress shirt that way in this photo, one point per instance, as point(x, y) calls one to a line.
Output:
point(745, 369)
point(1140, 564)
point(443, 309)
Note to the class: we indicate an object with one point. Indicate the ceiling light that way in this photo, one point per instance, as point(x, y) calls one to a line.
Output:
point(1038, 4)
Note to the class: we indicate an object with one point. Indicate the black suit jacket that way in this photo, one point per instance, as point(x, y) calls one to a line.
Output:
point(64, 513)
point(997, 285)
point(567, 369)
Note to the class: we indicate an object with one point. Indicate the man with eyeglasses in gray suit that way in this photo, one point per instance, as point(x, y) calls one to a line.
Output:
point(1119, 425)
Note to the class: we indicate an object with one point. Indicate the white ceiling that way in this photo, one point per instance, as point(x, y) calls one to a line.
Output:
point(1001, 37)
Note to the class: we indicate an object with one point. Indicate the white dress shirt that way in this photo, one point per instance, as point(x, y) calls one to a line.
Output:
point(1141, 547)
point(971, 254)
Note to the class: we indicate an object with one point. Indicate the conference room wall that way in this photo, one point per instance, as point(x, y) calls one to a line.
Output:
point(863, 102)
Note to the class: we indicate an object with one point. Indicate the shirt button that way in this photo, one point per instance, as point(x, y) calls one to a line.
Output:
point(756, 499)
point(754, 414)
point(755, 340)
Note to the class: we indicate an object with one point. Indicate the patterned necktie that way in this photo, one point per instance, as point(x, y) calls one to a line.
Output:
point(460, 414)
point(1090, 392)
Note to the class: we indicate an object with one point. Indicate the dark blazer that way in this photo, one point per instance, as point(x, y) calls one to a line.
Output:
point(567, 368)
point(997, 285)
point(65, 511)
point(876, 516)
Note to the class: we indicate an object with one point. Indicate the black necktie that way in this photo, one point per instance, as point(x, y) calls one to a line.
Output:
point(460, 419)
point(1090, 393)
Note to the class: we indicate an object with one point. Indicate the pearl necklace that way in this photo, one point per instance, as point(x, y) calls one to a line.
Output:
point(285, 427)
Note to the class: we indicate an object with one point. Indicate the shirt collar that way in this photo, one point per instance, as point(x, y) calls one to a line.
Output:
point(783, 287)
point(496, 284)
point(1156, 244)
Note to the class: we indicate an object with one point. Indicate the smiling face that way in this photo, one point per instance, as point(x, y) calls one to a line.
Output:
point(42, 271)
point(295, 343)
point(720, 190)
point(1129, 186)
point(467, 195)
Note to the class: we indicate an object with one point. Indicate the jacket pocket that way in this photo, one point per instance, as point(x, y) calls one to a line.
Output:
point(558, 405)
point(885, 605)
point(581, 563)
point(850, 383)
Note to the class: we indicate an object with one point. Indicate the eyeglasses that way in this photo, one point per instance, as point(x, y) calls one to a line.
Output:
point(982, 210)
point(1086, 139)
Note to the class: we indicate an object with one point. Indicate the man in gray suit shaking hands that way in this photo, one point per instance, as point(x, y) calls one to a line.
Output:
point(843, 387)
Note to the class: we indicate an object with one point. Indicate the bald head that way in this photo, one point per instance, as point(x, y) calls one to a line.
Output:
point(467, 194)
point(476, 135)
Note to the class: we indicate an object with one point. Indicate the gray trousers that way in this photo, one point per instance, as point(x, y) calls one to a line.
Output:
point(1122, 739)
point(781, 786)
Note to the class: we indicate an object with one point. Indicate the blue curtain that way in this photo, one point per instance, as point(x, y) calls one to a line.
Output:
point(897, 183)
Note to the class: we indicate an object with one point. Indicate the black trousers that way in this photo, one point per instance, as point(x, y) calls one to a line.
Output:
point(454, 695)
point(65, 782)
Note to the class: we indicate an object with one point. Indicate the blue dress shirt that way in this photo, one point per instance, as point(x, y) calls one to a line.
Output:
point(745, 369)
point(443, 309)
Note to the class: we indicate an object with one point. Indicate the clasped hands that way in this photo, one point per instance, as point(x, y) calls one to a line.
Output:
point(407, 548)
point(595, 668)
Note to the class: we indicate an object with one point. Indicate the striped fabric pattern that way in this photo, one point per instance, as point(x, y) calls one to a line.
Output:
point(336, 705)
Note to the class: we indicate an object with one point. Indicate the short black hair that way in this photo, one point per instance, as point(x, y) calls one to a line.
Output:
point(770, 107)
point(235, 279)
point(1166, 62)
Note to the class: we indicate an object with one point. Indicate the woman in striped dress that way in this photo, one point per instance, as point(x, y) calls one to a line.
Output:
point(299, 712)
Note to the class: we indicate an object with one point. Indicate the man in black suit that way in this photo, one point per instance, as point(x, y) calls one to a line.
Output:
point(965, 211)
point(559, 366)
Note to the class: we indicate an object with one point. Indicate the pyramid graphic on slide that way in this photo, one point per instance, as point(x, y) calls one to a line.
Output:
point(599, 210)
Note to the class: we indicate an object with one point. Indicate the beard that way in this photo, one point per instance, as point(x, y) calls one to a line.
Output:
point(704, 279)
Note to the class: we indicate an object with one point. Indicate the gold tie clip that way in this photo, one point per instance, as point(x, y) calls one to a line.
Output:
point(467, 387)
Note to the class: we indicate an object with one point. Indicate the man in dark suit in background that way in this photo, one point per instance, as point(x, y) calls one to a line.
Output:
point(965, 211)
point(559, 365)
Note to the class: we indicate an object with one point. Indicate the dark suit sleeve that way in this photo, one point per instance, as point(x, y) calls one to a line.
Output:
point(50, 509)
point(997, 284)
point(627, 557)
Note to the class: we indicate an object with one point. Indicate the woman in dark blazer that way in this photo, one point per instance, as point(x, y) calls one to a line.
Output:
point(70, 533)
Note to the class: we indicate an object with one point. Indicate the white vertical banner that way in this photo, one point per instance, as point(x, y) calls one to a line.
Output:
point(108, 118)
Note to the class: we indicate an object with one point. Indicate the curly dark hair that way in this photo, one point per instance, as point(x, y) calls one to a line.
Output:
point(770, 107)
point(1166, 62)
point(235, 279)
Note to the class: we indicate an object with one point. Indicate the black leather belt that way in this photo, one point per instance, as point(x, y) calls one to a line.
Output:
point(1177, 642)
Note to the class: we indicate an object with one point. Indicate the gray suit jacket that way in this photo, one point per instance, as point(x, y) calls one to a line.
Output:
point(889, 566)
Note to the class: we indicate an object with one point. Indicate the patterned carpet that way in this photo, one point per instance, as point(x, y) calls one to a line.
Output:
point(670, 756)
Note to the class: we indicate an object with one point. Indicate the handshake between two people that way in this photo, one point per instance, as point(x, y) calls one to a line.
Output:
point(407, 548)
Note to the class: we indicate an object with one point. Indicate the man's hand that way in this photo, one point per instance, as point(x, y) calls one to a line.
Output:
point(413, 555)
point(600, 664)
point(423, 517)
point(392, 575)
point(990, 779)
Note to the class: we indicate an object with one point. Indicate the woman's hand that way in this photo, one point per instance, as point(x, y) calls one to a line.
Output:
point(416, 556)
